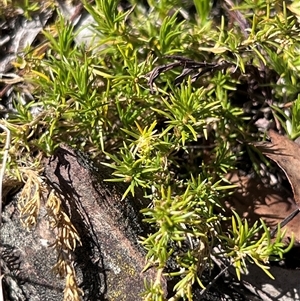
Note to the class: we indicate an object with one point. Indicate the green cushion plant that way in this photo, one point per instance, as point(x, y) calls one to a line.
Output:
point(177, 137)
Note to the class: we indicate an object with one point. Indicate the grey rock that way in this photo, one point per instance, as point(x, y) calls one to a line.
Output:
point(109, 262)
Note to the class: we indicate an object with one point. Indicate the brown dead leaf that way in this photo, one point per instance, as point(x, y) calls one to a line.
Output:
point(286, 154)
point(252, 200)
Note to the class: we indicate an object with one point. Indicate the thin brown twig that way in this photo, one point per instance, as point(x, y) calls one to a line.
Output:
point(189, 66)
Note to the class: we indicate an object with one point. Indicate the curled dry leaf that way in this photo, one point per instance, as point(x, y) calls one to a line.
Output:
point(286, 154)
point(253, 200)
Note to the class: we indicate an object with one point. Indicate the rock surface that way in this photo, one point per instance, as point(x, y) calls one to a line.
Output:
point(109, 263)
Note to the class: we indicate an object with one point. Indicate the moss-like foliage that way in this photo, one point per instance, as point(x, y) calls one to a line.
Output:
point(168, 95)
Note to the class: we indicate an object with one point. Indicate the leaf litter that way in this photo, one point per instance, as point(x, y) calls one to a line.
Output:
point(254, 200)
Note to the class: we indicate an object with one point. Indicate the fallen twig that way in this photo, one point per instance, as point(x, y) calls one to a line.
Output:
point(189, 66)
